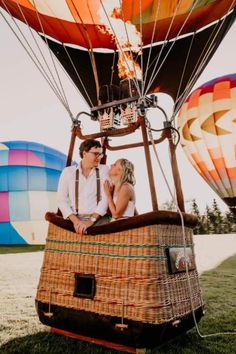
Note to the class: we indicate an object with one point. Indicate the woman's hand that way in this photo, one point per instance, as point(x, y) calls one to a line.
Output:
point(108, 189)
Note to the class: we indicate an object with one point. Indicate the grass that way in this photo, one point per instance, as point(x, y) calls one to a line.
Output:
point(20, 248)
point(219, 293)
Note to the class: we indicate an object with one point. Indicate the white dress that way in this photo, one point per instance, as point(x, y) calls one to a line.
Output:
point(129, 211)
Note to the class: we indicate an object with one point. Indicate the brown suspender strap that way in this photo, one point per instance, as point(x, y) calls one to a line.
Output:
point(77, 190)
point(98, 185)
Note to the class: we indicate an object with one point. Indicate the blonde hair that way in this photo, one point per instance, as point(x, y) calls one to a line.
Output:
point(128, 172)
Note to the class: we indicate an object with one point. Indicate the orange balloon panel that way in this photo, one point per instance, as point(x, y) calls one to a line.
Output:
point(207, 126)
point(83, 22)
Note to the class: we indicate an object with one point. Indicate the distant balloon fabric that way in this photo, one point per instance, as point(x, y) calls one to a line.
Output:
point(29, 174)
point(207, 125)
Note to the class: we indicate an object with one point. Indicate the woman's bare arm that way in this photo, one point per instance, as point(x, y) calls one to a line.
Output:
point(125, 194)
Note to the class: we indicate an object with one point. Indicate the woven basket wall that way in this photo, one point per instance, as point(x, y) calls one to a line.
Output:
point(131, 271)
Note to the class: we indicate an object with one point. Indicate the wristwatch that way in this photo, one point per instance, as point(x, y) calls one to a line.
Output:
point(93, 219)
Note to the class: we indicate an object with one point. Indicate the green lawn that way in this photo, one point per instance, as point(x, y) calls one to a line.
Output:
point(219, 292)
point(20, 248)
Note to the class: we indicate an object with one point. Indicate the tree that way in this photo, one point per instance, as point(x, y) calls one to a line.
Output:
point(199, 228)
point(169, 205)
point(217, 218)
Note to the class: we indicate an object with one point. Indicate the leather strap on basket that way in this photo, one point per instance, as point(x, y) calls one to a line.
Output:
point(77, 188)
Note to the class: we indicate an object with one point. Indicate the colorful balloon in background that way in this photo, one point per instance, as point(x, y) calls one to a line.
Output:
point(207, 126)
point(29, 174)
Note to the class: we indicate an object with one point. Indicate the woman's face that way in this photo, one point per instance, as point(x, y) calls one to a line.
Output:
point(116, 169)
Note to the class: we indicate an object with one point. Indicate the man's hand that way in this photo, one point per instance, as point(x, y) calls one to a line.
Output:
point(81, 226)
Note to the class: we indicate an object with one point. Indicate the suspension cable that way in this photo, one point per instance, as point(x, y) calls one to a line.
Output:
point(112, 68)
point(32, 57)
point(152, 39)
point(78, 76)
point(42, 55)
point(50, 53)
point(130, 51)
point(156, 72)
point(141, 34)
point(157, 57)
point(120, 47)
point(208, 48)
point(185, 65)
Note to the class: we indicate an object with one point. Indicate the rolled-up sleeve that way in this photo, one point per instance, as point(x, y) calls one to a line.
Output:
point(102, 206)
point(63, 201)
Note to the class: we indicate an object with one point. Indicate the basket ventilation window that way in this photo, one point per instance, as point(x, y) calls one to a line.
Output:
point(84, 285)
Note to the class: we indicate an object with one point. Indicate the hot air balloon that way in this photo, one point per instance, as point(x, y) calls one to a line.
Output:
point(123, 278)
point(29, 174)
point(104, 42)
point(207, 128)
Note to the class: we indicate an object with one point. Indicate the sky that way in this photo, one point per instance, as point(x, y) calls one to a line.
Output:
point(30, 111)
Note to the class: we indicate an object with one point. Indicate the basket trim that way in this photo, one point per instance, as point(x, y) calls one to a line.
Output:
point(102, 254)
point(124, 245)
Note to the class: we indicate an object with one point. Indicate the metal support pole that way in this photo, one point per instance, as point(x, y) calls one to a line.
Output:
point(71, 148)
point(149, 166)
point(175, 173)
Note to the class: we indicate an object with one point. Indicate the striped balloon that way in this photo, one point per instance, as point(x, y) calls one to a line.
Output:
point(207, 126)
point(29, 174)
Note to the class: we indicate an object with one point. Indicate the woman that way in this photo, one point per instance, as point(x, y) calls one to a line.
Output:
point(121, 195)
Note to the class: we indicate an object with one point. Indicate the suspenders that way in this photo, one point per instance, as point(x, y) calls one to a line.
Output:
point(77, 188)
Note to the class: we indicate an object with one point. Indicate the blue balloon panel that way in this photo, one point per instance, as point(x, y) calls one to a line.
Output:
point(3, 157)
point(19, 208)
point(9, 236)
point(17, 178)
point(29, 175)
point(37, 179)
point(52, 179)
point(4, 185)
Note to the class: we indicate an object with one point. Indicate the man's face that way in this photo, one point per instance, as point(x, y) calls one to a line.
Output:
point(93, 156)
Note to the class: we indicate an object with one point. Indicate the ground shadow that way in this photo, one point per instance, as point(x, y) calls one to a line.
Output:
point(48, 343)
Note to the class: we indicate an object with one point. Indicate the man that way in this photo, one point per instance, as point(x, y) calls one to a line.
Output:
point(81, 196)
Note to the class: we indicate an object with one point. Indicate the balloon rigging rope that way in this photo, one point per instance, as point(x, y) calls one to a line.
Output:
point(141, 34)
point(183, 72)
point(208, 48)
point(157, 58)
point(24, 43)
point(91, 52)
point(39, 49)
point(112, 68)
point(120, 47)
point(152, 40)
point(128, 40)
point(51, 56)
point(148, 125)
point(78, 76)
point(59, 87)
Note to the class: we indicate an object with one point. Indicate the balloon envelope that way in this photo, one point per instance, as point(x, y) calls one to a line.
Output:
point(207, 126)
point(177, 39)
point(29, 174)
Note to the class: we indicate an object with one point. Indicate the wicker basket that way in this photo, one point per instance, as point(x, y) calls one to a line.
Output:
point(125, 274)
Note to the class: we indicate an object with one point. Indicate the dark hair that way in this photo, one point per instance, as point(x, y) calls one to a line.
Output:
point(86, 145)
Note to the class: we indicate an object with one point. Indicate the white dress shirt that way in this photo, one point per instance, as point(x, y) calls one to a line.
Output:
point(87, 199)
